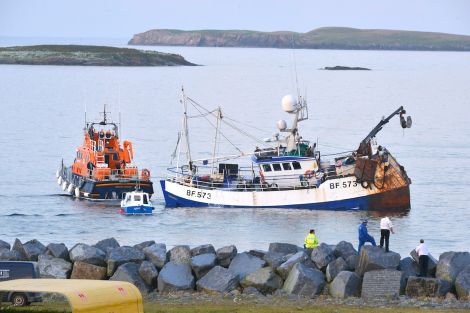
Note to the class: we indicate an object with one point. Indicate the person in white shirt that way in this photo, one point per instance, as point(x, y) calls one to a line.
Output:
point(386, 227)
point(423, 252)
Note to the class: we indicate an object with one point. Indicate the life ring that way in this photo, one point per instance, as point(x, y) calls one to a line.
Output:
point(145, 174)
point(365, 184)
point(309, 174)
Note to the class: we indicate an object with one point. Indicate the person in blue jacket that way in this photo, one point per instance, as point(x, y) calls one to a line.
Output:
point(364, 235)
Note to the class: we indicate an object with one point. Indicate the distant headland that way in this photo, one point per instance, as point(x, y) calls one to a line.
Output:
point(321, 38)
point(87, 56)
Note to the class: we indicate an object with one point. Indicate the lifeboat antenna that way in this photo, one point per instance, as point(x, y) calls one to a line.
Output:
point(104, 115)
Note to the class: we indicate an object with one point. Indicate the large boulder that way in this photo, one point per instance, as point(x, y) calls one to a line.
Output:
point(82, 270)
point(156, 254)
point(33, 249)
point(275, 259)
point(344, 249)
point(107, 244)
point(426, 287)
point(58, 250)
point(149, 273)
point(174, 277)
point(374, 258)
point(130, 272)
point(18, 246)
point(180, 254)
point(284, 248)
point(284, 269)
point(218, 280)
point(264, 279)
point(88, 254)
point(352, 261)
point(50, 267)
point(408, 267)
point(345, 284)
point(145, 244)
point(10, 255)
point(202, 249)
point(462, 283)
point(322, 255)
point(381, 284)
point(304, 281)
point(121, 255)
point(4, 245)
point(432, 262)
point(258, 253)
point(244, 264)
point(451, 264)
point(225, 255)
point(201, 264)
point(334, 268)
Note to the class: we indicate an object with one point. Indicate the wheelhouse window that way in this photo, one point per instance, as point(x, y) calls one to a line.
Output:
point(277, 167)
point(286, 166)
point(136, 197)
point(267, 167)
point(146, 201)
point(296, 165)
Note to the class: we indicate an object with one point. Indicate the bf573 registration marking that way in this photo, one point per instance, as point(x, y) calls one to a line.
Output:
point(198, 194)
point(344, 184)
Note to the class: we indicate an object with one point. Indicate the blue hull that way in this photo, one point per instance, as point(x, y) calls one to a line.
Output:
point(137, 210)
point(382, 201)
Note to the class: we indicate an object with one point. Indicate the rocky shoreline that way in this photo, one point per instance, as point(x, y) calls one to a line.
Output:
point(329, 274)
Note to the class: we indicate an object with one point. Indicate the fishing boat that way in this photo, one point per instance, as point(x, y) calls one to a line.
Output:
point(136, 202)
point(103, 169)
point(291, 173)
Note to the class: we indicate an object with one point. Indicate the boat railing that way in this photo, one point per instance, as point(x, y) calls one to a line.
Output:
point(118, 174)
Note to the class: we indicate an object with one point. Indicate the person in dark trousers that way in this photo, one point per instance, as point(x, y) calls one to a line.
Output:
point(423, 252)
point(364, 235)
point(386, 227)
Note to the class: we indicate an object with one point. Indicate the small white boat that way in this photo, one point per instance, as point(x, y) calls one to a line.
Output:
point(136, 203)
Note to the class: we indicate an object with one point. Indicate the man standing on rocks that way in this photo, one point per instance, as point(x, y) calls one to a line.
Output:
point(423, 252)
point(311, 240)
point(386, 227)
point(364, 235)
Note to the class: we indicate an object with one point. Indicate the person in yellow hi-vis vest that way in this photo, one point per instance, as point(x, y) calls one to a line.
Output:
point(311, 240)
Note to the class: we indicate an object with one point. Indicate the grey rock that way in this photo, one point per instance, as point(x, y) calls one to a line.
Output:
point(87, 254)
point(4, 245)
point(383, 283)
point(275, 259)
point(322, 255)
point(58, 250)
point(18, 246)
point(10, 255)
point(122, 255)
point(334, 268)
point(202, 249)
point(344, 249)
point(252, 291)
point(258, 253)
point(284, 269)
point(50, 267)
point(145, 244)
point(352, 262)
point(33, 249)
point(408, 267)
point(244, 264)
point(462, 283)
point(83, 270)
point(345, 284)
point(285, 248)
point(180, 254)
point(451, 264)
point(149, 273)
point(129, 272)
point(426, 287)
point(225, 255)
point(304, 281)
point(264, 279)
point(432, 262)
point(174, 277)
point(450, 296)
point(156, 254)
point(107, 245)
point(201, 264)
point(375, 258)
point(218, 280)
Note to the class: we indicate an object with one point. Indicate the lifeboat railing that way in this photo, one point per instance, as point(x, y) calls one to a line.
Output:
point(118, 174)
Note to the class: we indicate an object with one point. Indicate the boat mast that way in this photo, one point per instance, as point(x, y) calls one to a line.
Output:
point(219, 117)
point(185, 128)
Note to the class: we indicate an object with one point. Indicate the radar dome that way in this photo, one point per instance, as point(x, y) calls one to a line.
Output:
point(289, 104)
point(281, 125)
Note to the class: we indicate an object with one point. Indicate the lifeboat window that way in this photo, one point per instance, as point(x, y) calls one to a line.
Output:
point(296, 165)
point(277, 167)
point(137, 198)
point(286, 166)
point(146, 200)
point(115, 157)
point(267, 167)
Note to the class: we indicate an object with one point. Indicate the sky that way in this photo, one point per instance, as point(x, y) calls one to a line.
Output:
point(120, 18)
